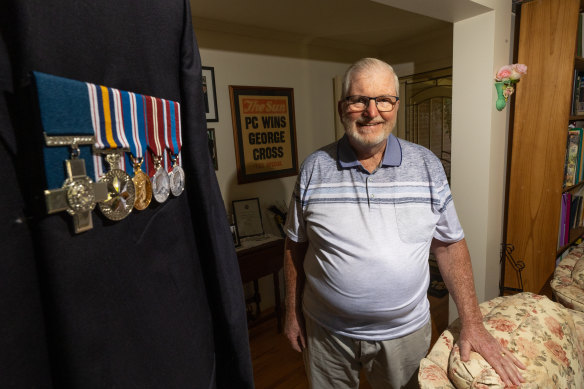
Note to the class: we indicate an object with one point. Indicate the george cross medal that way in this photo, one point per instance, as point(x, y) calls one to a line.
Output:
point(79, 193)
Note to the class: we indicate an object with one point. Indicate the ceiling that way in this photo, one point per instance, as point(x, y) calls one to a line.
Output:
point(375, 23)
point(336, 22)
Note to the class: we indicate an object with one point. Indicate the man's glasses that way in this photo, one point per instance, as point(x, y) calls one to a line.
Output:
point(383, 103)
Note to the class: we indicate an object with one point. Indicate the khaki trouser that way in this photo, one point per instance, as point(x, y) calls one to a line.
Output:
point(335, 361)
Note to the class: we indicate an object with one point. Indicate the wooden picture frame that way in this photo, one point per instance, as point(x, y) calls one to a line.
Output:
point(264, 132)
point(248, 217)
point(210, 93)
point(212, 143)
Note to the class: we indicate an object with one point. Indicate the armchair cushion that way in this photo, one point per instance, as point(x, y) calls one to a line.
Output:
point(547, 337)
point(568, 281)
point(578, 273)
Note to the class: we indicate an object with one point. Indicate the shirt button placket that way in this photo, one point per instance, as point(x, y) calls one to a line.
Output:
point(370, 196)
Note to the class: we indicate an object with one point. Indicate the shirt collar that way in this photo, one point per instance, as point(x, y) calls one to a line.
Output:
point(347, 158)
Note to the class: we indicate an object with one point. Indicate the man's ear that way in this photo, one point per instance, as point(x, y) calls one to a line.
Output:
point(340, 108)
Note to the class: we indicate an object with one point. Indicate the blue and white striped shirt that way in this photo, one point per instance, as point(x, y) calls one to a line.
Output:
point(369, 236)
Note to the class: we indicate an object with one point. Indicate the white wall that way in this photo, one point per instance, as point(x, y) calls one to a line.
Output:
point(314, 113)
point(314, 110)
point(479, 141)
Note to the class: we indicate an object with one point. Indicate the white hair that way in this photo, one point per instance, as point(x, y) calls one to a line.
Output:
point(366, 64)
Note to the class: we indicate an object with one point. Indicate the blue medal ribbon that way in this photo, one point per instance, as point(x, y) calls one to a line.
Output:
point(134, 123)
point(64, 110)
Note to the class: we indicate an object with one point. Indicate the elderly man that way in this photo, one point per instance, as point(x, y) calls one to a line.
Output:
point(365, 212)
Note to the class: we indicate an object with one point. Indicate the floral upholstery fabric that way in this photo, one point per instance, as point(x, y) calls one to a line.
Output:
point(547, 337)
point(568, 281)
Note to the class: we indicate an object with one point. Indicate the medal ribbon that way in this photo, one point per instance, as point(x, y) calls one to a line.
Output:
point(118, 119)
point(133, 114)
point(107, 116)
point(64, 110)
point(173, 133)
point(156, 127)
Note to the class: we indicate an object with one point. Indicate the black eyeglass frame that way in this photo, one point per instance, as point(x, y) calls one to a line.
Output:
point(376, 102)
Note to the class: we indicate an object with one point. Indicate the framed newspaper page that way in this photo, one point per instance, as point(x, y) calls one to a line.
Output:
point(264, 132)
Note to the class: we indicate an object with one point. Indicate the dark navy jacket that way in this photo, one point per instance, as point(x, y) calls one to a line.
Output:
point(154, 300)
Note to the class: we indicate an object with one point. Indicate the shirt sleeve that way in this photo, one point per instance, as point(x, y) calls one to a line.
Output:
point(295, 227)
point(448, 228)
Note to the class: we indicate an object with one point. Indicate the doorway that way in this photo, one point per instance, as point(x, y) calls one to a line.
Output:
point(428, 112)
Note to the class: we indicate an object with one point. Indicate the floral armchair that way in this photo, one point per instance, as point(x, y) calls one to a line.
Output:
point(547, 337)
point(568, 281)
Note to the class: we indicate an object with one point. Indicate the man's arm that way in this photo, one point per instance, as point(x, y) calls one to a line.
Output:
point(294, 278)
point(456, 270)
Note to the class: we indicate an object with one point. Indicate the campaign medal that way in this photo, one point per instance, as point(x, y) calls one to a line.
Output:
point(160, 182)
point(156, 130)
point(142, 185)
point(121, 191)
point(173, 140)
point(79, 193)
point(177, 179)
point(135, 128)
point(108, 111)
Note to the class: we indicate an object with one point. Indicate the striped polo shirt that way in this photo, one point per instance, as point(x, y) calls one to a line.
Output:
point(369, 236)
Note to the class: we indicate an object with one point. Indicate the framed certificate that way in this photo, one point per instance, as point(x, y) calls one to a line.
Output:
point(248, 217)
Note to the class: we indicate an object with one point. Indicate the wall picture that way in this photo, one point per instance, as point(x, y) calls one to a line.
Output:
point(264, 132)
point(212, 146)
point(248, 217)
point(210, 95)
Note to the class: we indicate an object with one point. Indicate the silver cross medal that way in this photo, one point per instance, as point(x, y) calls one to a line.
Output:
point(79, 193)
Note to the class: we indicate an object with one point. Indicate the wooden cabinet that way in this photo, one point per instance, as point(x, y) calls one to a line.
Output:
point(547, 40)
point(260, 258)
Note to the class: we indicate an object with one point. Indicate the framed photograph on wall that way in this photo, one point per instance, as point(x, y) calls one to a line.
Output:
point(264, 132)
point(210, 94)
point(234, 235)
point(248, 217)
point(212, 146)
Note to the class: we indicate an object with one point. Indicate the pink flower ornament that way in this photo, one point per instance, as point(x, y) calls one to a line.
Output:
point(504, 73)
point(505, 80)
point(520, 68)
point(511, 73)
